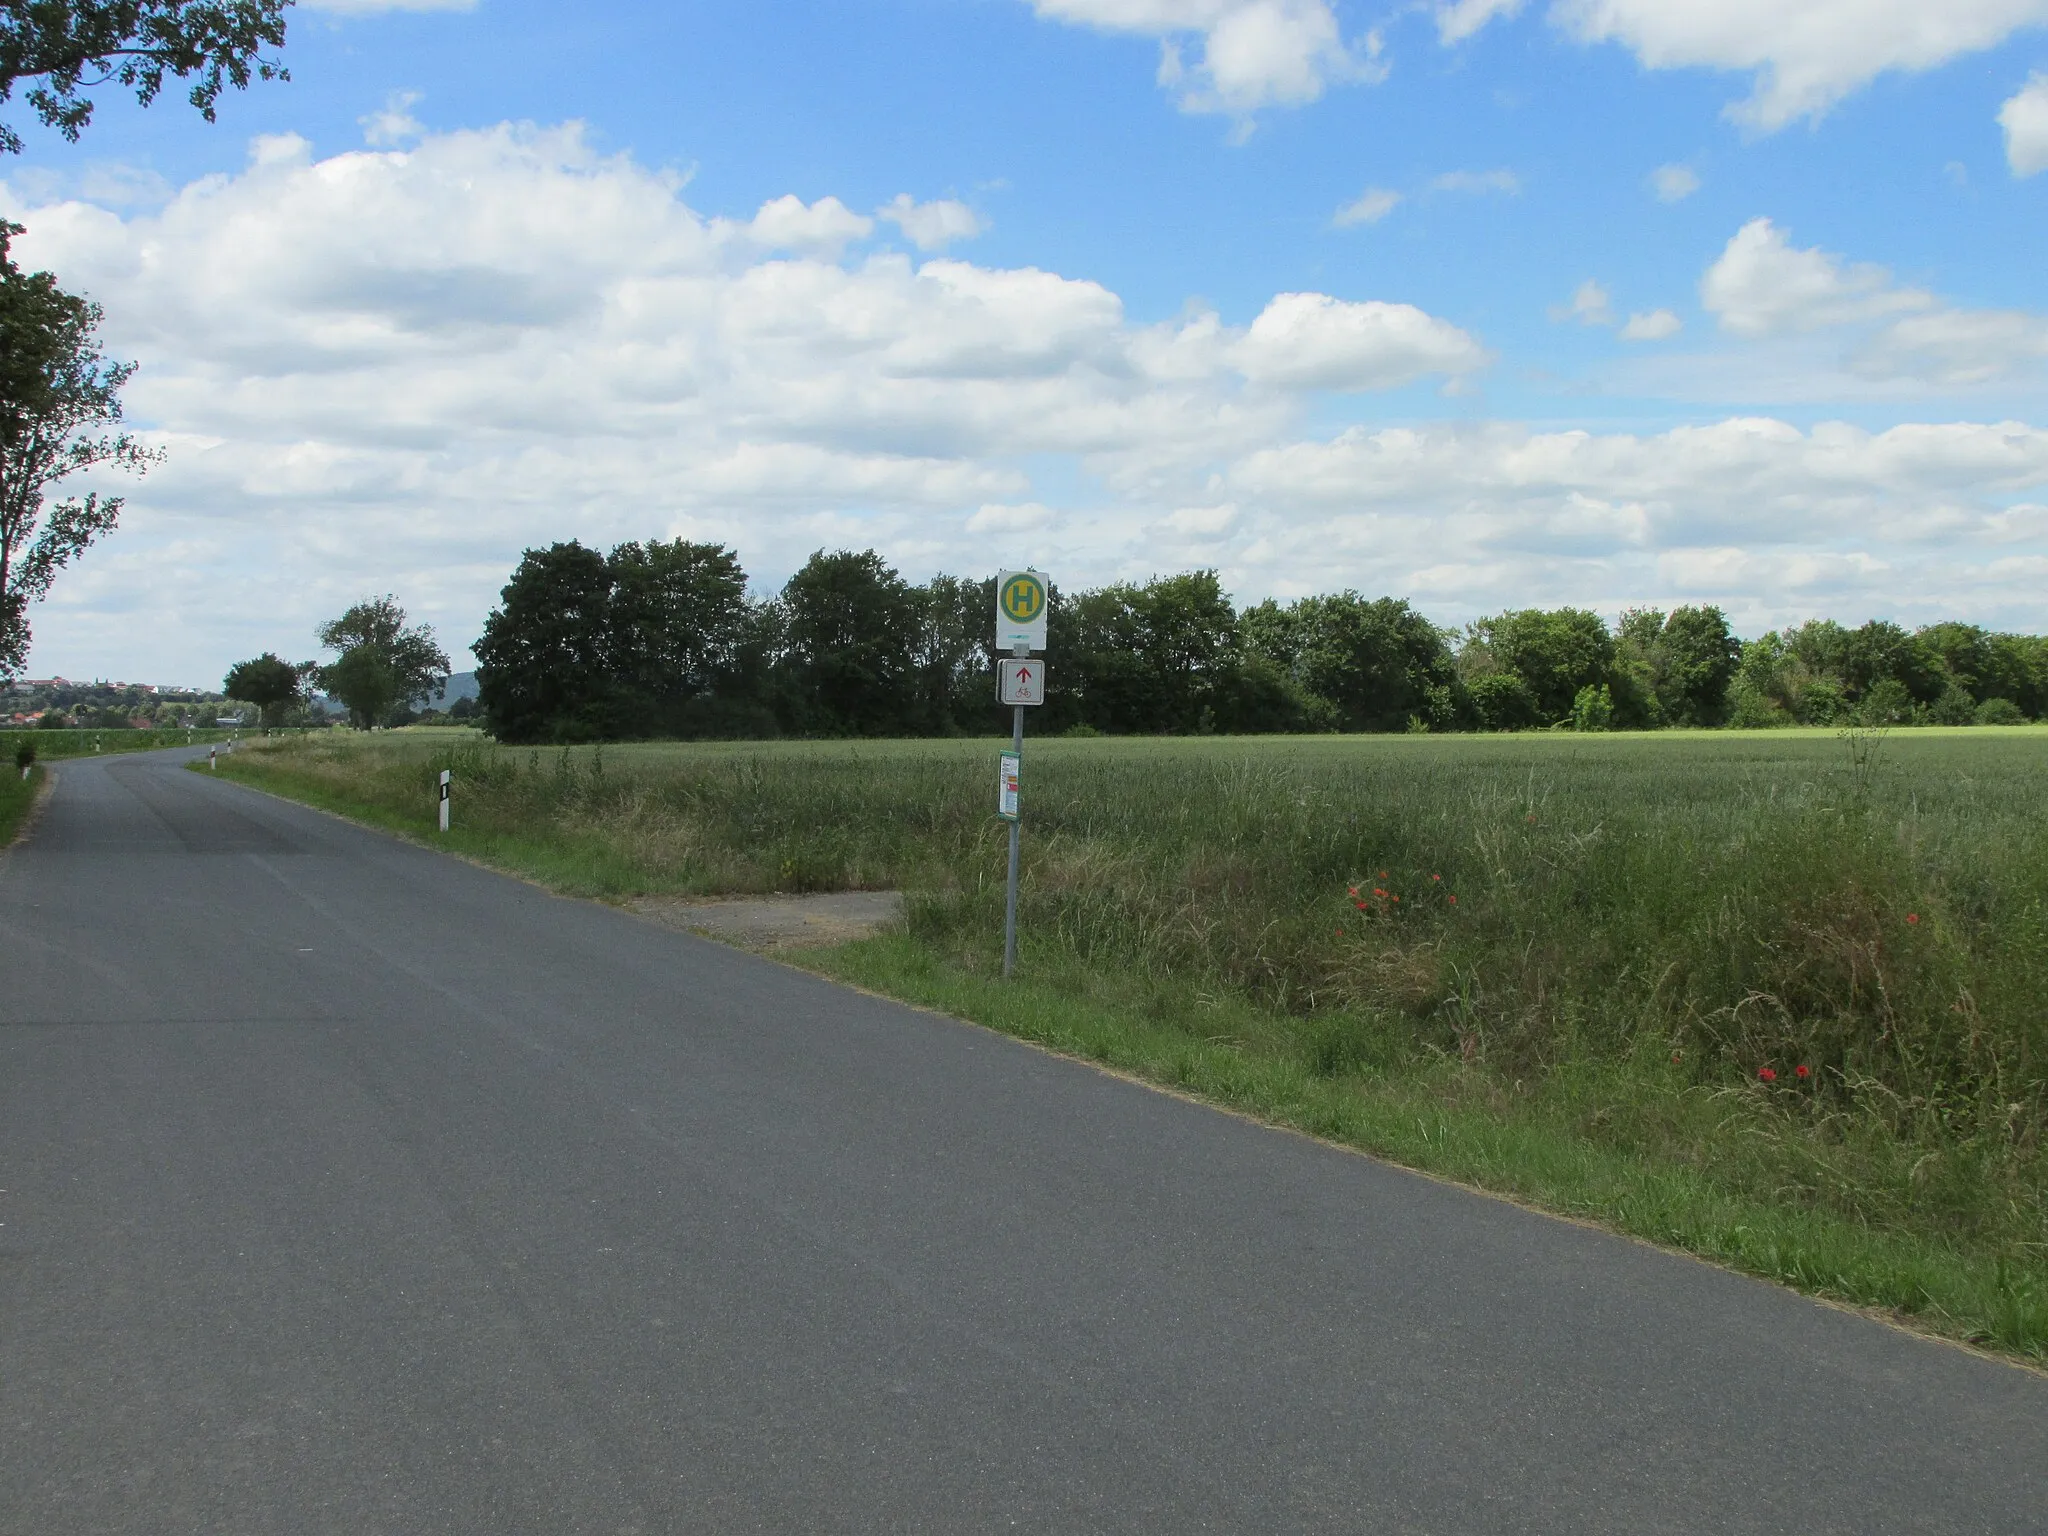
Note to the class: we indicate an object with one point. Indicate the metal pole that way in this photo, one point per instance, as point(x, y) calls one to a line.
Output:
point(1010, 915)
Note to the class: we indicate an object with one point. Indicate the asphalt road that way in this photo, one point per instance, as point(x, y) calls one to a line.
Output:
point(351, 1188)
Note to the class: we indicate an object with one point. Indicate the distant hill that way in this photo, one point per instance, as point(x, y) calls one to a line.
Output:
point(461, 686)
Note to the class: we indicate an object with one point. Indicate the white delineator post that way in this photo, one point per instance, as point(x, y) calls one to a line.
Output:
point(444, 799)
point(213, 758)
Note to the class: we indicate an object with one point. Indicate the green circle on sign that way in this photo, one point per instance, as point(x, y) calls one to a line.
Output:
point(1023, 598)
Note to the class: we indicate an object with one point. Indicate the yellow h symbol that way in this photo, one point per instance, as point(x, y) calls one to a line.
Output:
point(1023, 597)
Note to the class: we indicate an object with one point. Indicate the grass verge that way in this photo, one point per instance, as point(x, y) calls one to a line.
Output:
point(17, 799)
point(1763, 999)
point(1456, 1123)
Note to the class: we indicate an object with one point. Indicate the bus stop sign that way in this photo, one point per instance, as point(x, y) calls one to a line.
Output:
point(1022, 598)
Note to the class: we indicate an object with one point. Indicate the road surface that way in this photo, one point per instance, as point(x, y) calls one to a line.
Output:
point(351, 1188)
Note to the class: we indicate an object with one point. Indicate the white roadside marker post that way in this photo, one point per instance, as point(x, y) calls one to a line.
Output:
point(444, 799)
point(213, 758)
point(1022, 598)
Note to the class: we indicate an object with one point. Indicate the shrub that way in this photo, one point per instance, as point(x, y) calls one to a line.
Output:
point(1593, 709)
point(1503, 702)
point(2000, 712)
point(1954, 707)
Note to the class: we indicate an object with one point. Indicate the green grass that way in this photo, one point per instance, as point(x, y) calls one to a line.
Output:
point(1641, 925)
point(53, 746)
point(17, 795)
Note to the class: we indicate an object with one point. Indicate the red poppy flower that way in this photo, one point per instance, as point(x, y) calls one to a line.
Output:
point(1675, 1055)
point(1383, 874)
point(1379, 893)
point(1397, 898)
point(1351, 890)
point(1766, 1075)
point(1802, 1071)
point(1453, 901)
point(1438, 878)
point(1912, 917)
point(1359, 904)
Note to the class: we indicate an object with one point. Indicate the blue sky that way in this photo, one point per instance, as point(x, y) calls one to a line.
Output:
point(1637, 301)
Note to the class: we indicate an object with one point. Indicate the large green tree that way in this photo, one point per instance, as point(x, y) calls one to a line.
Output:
point(60, 403)
point(1377, 663)
point(848, 662)
point(269, 682)
point(70, 47)
point(686, 645)
point(1162, 658)
point(1555, 653)
point(385, 664)
point(543, 663)
point(1676, 668)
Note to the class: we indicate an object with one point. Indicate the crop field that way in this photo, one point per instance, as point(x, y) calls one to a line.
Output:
point(53, 746)
point(1778, 998)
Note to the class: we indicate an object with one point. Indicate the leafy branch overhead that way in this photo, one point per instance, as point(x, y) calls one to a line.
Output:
point(59, 398)
point(71, 47)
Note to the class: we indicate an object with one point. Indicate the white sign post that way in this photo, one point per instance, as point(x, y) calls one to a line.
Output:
point(444, 799)
point(1023, 600)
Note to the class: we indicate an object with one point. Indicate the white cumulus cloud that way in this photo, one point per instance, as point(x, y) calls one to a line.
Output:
point(935, 225)
point(1803, 57)
point(1369, 207)
point(788, 223)
point(1674, 183)
point(1312, 341)
point(1652, 325)
point(392, 370)
point(2024, 118)
point(1761, 285)
point(1249, 54)
point(1459, 19)
point(1590, 305)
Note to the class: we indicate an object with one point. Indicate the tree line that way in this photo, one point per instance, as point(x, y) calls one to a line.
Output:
point(665, 640)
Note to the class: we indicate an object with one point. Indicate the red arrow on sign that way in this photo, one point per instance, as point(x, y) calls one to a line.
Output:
point(1023, 674)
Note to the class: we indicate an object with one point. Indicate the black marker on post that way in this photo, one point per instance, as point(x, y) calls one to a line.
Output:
point(444, 799)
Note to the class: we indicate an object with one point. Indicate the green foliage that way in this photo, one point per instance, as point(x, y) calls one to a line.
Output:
point(70, 46)
point(58, 398)
point(1376, 664)
point(269, 682)
point(1593, 709)
point(544, 664)
point(1502, 702)
point(1675, 669)
point(24, 753)
point(661, 640)
point(1887, 702)
point(1999, 712)
point(1555, 653)
point(385, 665)
point(849, 630)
